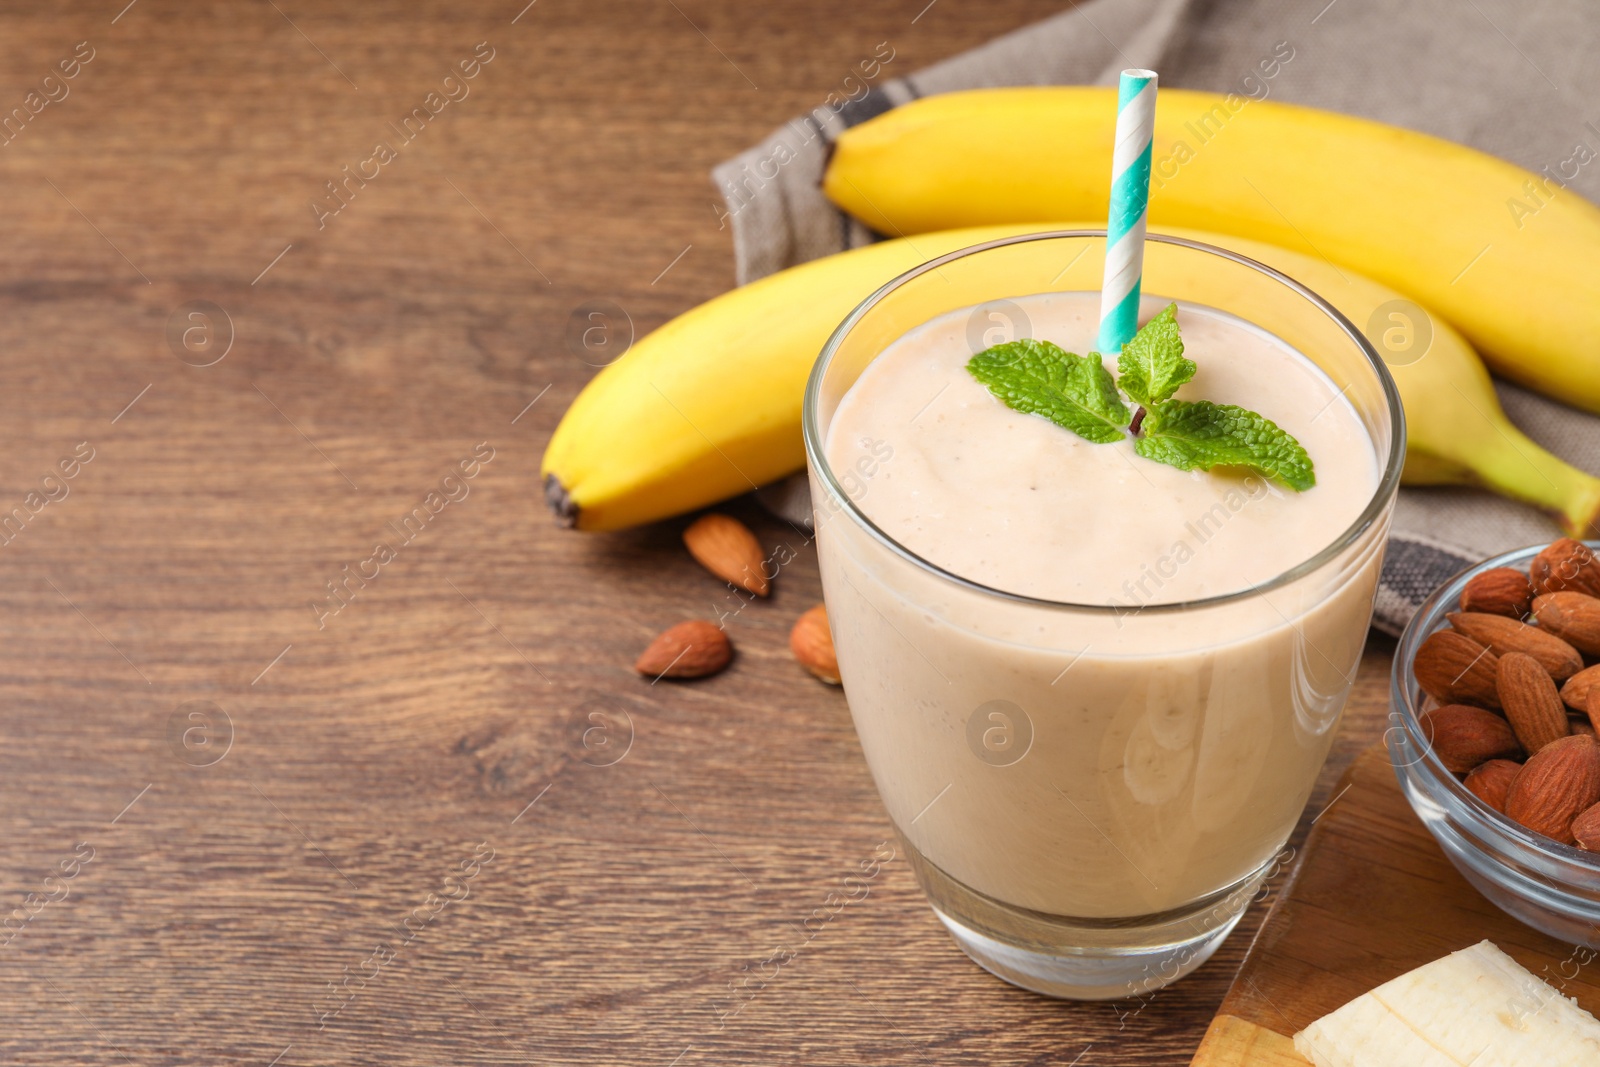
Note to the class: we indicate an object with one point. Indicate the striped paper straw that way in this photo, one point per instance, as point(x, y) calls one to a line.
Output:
point(1130, 194)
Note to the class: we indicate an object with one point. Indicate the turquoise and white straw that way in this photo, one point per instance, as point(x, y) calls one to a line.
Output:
point(1130, 195)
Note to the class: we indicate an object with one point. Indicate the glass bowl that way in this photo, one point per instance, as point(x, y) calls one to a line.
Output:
point(1550, 886)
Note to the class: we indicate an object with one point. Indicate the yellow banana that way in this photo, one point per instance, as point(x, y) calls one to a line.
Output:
point(708, 406)
point(1507, 256)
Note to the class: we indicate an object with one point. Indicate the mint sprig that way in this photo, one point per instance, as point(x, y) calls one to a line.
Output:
point(1078, 393)
point(1038, 378)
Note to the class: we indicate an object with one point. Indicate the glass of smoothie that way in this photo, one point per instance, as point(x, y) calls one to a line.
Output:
point(1094, 691)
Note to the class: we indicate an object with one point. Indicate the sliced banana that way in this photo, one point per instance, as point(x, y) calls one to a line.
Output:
point(1474, 1008)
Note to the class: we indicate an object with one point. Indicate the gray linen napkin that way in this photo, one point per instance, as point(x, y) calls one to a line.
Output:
point(1511, 77)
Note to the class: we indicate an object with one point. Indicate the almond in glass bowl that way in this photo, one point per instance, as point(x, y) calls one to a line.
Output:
point(1546, 881)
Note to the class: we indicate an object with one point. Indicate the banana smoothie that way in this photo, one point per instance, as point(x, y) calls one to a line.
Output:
point(1103, 756)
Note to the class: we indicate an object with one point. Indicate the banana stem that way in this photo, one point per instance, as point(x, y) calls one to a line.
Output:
point(1510, 463)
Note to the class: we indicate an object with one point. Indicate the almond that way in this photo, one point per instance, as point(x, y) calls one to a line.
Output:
point(1504, 635)
point(1586, 829)
point(1501, 591)
point(690, 649)
point(1573, 617)
point(1576, 690)
point(1463, 736)
point(1581, 726)
point(1555, 786)
point(1594, 708)
point(725, 546)
point(1490, 781)
point(1531, 702)
point(1454, 669)
point(1565, 564)
point(812, 644)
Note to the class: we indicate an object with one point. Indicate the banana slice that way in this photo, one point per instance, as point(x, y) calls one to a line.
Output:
point(1473, 1008)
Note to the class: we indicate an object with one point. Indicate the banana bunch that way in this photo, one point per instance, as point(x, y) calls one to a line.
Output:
point(1506, 256)
point(708, 406)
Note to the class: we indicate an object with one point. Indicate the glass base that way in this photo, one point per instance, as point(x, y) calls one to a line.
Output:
point(1087, 974)
point(1083, 959)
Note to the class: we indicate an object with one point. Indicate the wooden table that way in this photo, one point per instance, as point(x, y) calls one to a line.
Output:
point(243, 828)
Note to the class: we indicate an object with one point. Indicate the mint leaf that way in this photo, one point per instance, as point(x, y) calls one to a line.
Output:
point(1039, 378)
point(1199, 434)
point(1151, 364)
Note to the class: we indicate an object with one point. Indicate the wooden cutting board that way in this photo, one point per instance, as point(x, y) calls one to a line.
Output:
point(1372, 898)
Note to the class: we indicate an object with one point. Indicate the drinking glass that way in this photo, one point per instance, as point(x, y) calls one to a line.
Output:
point(1090, 795)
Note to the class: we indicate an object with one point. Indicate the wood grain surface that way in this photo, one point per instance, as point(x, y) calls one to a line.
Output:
point(1372, 898)
point(445, 824)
